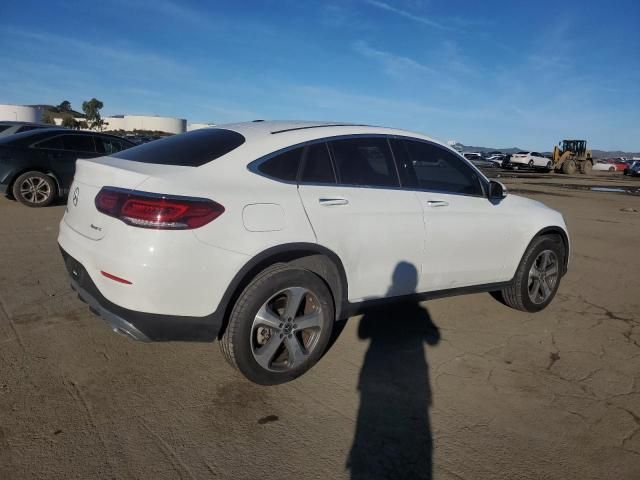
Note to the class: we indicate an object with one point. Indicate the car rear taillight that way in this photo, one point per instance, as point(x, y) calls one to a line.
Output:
point(155, 210)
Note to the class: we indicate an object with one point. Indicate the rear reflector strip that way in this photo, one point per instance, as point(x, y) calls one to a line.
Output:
point(117, 279)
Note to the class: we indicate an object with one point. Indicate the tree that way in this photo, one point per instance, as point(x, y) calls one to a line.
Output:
point(91, 110)
point(65, 106)
point(68, 121)
point(48, 118)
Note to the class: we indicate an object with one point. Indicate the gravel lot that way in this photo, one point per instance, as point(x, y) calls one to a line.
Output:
point(465, 387)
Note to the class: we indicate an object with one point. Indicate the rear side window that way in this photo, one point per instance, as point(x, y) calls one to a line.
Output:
point(54, 143)
point(283, 166)
point(4, 127)
point(190, 149)
point(108, 146)
point(431, 167)
point(78, 143)
point(317, 165)
point(27, 128)
point(364, 162)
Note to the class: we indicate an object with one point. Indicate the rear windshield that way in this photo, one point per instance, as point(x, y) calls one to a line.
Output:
point(190, 149)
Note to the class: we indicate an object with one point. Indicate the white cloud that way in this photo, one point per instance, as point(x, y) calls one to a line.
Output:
point(404, 13)
point(394, 65)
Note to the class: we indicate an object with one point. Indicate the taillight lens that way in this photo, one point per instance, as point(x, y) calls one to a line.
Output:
point(154, 210)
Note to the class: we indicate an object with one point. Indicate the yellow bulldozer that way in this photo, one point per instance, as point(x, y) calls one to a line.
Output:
point(572, 155)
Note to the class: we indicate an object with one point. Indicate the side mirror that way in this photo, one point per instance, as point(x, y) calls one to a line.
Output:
point(497, 191)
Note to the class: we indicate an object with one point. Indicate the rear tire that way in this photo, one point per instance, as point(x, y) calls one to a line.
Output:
point(538, 276)
point(266, 339)
point(34, 189)
point(586, 167)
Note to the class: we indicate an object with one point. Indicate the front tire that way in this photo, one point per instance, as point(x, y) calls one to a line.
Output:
point(34, 189)
point(569, 167)
point(280, 325)
point(538, 276)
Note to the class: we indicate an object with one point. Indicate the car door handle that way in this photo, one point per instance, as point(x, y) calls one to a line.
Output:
point(330, 202)
point(437, 203)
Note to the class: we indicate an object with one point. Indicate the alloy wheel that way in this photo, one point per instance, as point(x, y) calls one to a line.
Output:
point(35, 190)
point(543, 276)
point(286, 329)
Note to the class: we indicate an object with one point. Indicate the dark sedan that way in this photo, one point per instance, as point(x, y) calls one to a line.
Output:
point(38, 166)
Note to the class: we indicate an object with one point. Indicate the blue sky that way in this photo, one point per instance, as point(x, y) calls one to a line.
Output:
point(512, 73)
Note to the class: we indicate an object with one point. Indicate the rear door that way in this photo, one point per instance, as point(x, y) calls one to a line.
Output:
point(78, 146)
point(466, 234)
point(351, 193)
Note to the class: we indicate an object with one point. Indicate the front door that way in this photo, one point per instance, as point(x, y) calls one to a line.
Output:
point(467, 236)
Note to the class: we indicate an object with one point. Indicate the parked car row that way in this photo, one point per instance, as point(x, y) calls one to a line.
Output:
point(538, 161)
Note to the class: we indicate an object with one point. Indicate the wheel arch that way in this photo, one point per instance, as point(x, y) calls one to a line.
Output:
point(43, 171)
point(315, 258)
point(561, 232)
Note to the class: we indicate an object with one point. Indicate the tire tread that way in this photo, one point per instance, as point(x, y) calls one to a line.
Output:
point(226, 343)
point(513, 295)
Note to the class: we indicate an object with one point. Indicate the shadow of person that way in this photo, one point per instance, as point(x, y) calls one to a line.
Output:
point(393, 432)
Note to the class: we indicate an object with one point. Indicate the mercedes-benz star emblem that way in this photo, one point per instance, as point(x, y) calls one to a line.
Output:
point(76, 194)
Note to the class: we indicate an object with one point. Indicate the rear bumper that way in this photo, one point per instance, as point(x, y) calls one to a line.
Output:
point(139, 325)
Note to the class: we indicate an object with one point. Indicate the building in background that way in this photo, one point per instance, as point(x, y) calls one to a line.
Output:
point(21, 113)
point(153, 123)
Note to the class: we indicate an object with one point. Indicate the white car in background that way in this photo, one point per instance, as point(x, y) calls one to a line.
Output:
point(263, 234)
point(603, 166)
point(531, 160)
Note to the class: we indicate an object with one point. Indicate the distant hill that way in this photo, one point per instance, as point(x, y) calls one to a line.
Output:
point(596, 153)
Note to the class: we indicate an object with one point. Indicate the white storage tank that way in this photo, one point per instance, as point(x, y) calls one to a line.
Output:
point(21, 113)
point(162, 124)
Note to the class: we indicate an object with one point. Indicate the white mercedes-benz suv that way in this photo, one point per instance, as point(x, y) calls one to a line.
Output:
point(264, 234)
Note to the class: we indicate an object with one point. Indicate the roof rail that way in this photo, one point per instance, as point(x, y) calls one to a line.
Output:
point(320, 126)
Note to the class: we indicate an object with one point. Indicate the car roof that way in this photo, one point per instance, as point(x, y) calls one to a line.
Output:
point(273, 135)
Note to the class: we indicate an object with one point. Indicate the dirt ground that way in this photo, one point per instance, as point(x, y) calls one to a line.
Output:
point(463, 387)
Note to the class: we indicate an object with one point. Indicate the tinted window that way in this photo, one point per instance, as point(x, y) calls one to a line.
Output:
point(78, 143)
point(317, 165)
point(4, 127)
point(26, 128)
point(190, 149)
point(431, 167)
point(364, 161)
point(108, 146)
point(283, 166)
point(54, 143)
